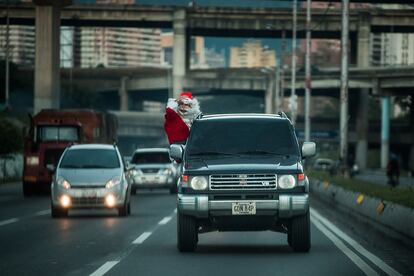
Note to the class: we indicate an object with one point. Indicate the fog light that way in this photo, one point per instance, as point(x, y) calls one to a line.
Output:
point(110, 201)
point(65, 201)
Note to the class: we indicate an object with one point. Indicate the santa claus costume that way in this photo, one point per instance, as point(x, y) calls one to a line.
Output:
point(179, 116)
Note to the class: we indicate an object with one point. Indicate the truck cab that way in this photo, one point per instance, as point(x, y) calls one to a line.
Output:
point(50, 132)
point(243, 172)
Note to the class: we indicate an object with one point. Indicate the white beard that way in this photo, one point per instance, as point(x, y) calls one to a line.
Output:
point(188, 116)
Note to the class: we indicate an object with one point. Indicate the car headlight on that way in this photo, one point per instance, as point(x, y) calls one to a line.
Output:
point(113, 182)
point(286, 181)
point(32, 160)
point(199, 183)
point(63, 183)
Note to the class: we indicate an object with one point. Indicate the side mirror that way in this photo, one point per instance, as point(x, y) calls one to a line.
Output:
point(176, 152)
point(51, 168)
point(308, 149)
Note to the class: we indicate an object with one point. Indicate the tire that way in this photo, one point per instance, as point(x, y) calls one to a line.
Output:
point(123, 211)
point(300, 233)
point(129, 208)
point(27, 189)
point(173, 189)
point(187, 233)
point(289, 237)
point(57, 212)
point(133, 191)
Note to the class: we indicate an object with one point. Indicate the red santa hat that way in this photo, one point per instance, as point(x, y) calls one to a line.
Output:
point(186, 94)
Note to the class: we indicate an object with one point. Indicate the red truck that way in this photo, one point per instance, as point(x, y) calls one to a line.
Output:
point(51, 131)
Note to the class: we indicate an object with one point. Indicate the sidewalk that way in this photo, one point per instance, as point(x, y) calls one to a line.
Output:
point(380, 177)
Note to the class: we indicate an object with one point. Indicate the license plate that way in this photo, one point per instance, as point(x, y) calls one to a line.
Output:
point(243, 208)
point(86, 193)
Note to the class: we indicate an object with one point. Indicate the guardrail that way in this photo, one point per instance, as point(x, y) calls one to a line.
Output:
point(391, 218)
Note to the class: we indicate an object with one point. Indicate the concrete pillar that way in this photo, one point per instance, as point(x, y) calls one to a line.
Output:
point(385, 131)
point(47, 56)
point(179, 51)
point(123, 95)
point(363, 60)
point(269, 94)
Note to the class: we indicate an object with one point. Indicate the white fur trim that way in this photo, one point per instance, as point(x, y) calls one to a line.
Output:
point(172, 103)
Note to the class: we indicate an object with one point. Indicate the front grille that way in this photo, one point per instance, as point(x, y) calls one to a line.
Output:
point(150, 170)
point(52, 156)
point(85, 201)
point(88, 186)
point(243, 182)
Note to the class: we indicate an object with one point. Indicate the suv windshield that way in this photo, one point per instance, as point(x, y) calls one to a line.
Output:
point(151, 157)
point(248, 136)
point(90, 159)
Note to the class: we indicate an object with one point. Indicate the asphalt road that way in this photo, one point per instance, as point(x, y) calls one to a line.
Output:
point(99, 242)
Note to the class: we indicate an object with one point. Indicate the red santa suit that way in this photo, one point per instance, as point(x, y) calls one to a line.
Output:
point(177, 123)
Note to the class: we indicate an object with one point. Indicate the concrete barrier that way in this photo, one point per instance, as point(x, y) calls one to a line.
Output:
point(11, 167)
point(388, 217)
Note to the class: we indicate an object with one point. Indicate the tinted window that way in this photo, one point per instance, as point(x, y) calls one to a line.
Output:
point(151, 157)
point(54, 133)
point(90, 159)
point(245, 135)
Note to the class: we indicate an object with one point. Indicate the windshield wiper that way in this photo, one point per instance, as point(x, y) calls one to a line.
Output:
point(70, 167)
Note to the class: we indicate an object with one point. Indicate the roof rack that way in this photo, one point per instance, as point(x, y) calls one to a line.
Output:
point(282, 114)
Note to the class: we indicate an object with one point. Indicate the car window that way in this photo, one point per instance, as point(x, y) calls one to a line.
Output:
point(235, 136)
point(151, 157)
point(90, 159)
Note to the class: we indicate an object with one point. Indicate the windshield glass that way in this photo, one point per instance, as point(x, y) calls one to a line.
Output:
point(58, 133)
point(242, 136)
point(151, 157)
point(90, 159)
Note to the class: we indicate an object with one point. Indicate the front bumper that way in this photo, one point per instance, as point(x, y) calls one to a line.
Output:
point(89, 198)
point(285, 207)
point(153, 181)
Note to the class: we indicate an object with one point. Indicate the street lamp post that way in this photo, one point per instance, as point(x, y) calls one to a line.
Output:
point(308, 71)
point(7, 87)
point(293, 81)
point(343, 147)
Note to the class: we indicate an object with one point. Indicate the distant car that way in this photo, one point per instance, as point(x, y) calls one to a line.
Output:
point(91, 176)
point(324, 164)
point(154, 169)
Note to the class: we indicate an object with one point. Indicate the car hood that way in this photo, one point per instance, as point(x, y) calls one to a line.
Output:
point(93, 177)
point(244, 165)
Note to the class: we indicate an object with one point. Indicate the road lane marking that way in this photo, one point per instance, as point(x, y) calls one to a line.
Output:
point(142, 238)
point(8, 221)
point(348, 252)
point(104, 268)
point(164, 220)
point(42, 213)
point(358, 247)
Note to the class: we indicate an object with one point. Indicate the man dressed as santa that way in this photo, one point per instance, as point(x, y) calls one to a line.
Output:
point(179, 116)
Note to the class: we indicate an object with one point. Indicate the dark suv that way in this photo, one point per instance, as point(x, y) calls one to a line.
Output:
point(243, 172)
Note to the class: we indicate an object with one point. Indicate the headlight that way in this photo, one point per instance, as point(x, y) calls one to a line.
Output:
point(199, 183)
point(113, 182)
point(166, 171)
point(32, 160)
point(63, 183)
point(286, 181)
point(136, 172)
